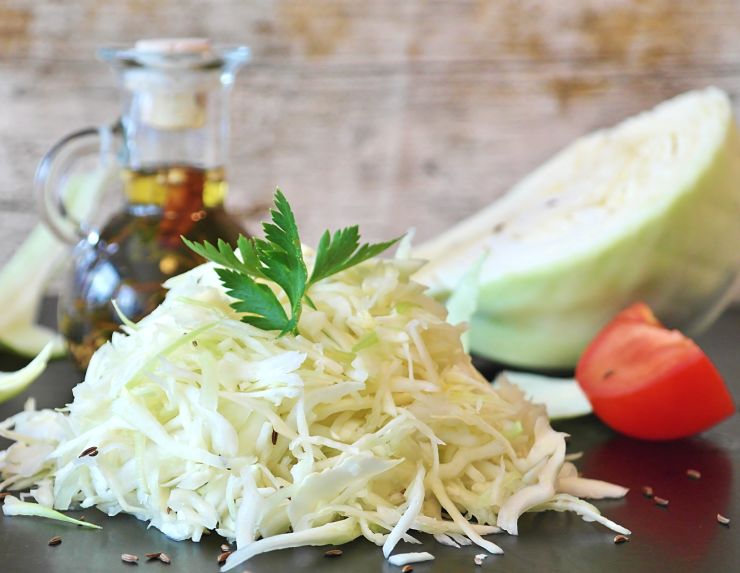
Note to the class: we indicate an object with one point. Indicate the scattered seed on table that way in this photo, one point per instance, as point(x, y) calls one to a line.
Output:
point(225, 547)
point(661, 501)
point(129, 558)
point(722, 519)
point(693, 474)
point(478, 559)
point(153, 555)
point(333, 553)
point(164, 558)
point(54, 541)
point(223, 557)
point(274, 437)
point(407, 569)
point(619, 539)
point(647, 491)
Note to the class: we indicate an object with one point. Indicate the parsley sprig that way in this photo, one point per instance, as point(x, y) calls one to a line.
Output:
point(278, 258)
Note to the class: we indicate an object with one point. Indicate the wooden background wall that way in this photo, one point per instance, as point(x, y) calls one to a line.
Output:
point(389, 113)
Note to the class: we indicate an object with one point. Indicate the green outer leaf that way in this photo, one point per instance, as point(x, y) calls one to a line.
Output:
point(257, 300)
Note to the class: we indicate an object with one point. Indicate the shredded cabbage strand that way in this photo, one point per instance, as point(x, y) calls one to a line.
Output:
point(372, 422)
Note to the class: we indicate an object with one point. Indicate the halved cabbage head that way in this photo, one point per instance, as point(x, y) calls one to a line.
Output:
point(647, 210)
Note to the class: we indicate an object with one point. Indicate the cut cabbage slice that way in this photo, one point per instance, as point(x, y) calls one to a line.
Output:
point(23, 280)
point(25, 277)
point(13, 383)
point(562, 397)
point(647, 210)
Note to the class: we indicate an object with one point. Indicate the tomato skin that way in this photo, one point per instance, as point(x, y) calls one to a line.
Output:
point(638, 312)
point(649, 382)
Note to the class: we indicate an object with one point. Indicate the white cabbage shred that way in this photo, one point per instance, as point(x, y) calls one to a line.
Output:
point(401, 559)
point(372, 422)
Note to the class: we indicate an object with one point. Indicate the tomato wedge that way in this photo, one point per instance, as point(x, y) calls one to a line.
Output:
point(650, 382)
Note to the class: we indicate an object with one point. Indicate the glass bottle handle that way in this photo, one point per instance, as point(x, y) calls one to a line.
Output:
point(53, 170)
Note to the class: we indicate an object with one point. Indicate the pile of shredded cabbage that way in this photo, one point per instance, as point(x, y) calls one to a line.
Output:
point(372, 422)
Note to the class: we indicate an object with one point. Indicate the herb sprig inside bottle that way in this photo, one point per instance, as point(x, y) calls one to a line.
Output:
point(278, 258)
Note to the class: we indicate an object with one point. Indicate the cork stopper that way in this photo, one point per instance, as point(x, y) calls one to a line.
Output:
point(174, 83)
point(173, 103)
point(166, 46)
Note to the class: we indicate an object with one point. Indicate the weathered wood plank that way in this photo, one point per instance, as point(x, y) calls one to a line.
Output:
point(392, 114)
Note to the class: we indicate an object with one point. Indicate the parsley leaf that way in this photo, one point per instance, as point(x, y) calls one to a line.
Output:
point(342, 250)
point(223, 254)
point(282, 256)
point(260, 305)
point(278, 258)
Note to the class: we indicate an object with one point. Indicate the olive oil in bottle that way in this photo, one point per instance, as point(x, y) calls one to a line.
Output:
point(140, 248)
point(171, 146)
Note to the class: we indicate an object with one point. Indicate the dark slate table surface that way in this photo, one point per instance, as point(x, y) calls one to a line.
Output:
point(685, 537)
